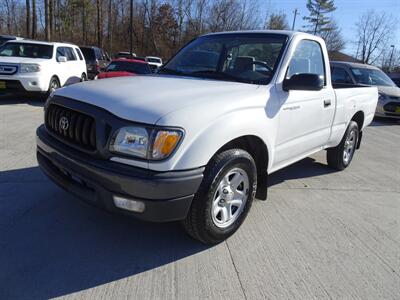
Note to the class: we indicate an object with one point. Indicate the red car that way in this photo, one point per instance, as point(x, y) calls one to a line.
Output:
point(125, 67)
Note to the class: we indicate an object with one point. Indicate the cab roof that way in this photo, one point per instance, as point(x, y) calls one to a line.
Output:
point(288, 33)
point(353, 65)
point(42, 43)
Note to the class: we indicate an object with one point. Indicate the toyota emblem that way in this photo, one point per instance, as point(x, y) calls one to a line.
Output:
point(64, 123)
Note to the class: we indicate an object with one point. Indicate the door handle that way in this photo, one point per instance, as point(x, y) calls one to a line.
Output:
point(327, 102)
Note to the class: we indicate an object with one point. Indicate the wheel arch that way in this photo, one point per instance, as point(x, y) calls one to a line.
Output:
point(359, 118)
point(256, 147)
point(56, 77)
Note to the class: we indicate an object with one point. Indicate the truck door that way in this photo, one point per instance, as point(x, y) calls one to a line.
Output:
point(305, 117)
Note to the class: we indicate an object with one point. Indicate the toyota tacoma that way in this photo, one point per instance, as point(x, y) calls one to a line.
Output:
point(197, 141)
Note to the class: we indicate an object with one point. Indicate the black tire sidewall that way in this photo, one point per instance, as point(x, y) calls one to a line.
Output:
point(53, 79)
point(242, 161)
point(352, 127)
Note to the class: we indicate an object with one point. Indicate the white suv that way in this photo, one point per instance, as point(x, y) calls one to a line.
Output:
point(31, 66)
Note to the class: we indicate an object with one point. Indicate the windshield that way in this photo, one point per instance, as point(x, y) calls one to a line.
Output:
point(126, 66)
point(4, 39)
point(371, 77)
point(154, 60)
point(27, 50)
point(245, 57)
point(88, 53)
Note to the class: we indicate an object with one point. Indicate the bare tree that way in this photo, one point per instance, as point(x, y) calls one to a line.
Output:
point(28, 18)
point(99, 11)
point(34, 20)
point(333, 37)
point(375, 30)
point(47, 20)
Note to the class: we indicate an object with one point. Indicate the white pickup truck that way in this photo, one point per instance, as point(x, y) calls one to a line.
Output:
point(197, 141)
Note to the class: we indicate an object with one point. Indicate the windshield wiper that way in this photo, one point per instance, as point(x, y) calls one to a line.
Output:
point(170, 71)
point(219, 75)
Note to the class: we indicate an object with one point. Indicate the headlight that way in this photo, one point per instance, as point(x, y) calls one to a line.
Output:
point(382, 97)
point(153, 144)
point(30, 68)
point(132, 141)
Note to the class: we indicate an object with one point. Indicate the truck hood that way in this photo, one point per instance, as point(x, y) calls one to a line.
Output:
point(389, 90)
point(146, 99)
point(20, 60)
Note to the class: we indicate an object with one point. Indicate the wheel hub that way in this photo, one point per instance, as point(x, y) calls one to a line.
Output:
point(230, 197)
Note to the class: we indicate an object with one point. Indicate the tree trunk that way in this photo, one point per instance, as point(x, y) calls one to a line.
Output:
point(84, 22)
point(51, 18)
point(110, 26)
point(34, 20)
point(99, 23)
point(28, 18)
point(46, 20)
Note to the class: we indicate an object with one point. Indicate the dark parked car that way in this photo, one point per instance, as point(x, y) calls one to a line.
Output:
point(395, 78)
point(124, 54)
point(6, 38)
point(97, 60)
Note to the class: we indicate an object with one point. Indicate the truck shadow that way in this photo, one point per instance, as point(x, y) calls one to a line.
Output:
point(305, 168)
point(384, 122)
point(53, 244)
point(30, 100)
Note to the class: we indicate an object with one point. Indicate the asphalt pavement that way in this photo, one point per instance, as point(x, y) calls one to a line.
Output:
point(320, 235)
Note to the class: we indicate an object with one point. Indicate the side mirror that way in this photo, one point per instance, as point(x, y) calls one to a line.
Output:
point(62, 59)
point(304, 82)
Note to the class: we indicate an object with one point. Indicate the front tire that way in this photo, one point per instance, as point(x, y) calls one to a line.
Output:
point(53, 85)
point(341, 156)
point(224, 198)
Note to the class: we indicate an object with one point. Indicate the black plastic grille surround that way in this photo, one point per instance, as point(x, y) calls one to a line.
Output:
point(391, 106)
point(75, 127)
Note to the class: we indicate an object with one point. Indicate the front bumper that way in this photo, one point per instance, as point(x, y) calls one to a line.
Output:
point(24, 83)
point(167, 196)
point(388, 109)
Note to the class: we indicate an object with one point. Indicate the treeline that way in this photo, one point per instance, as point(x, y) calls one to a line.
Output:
point(161, 27)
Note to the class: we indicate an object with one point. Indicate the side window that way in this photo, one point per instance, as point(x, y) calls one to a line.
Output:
point(69, 52)
point(98, 53)
point(60, 52)
point(308, 59)
point(79, 53)
point(340, 75)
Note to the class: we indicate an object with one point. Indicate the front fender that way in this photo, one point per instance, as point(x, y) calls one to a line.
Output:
point(203, 140)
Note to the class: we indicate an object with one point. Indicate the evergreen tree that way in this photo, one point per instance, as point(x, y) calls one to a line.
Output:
point(318, 19)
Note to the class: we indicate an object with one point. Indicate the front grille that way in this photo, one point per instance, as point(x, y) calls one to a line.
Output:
point(75, 127)
point(391, 106)
point(8, 69)
point(12, 86)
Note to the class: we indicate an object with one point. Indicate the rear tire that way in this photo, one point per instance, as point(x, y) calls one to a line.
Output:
point(341, 156)
point(83, 77)
point(224, 198)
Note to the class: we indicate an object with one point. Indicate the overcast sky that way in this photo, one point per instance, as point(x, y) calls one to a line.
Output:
point(346, 15)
